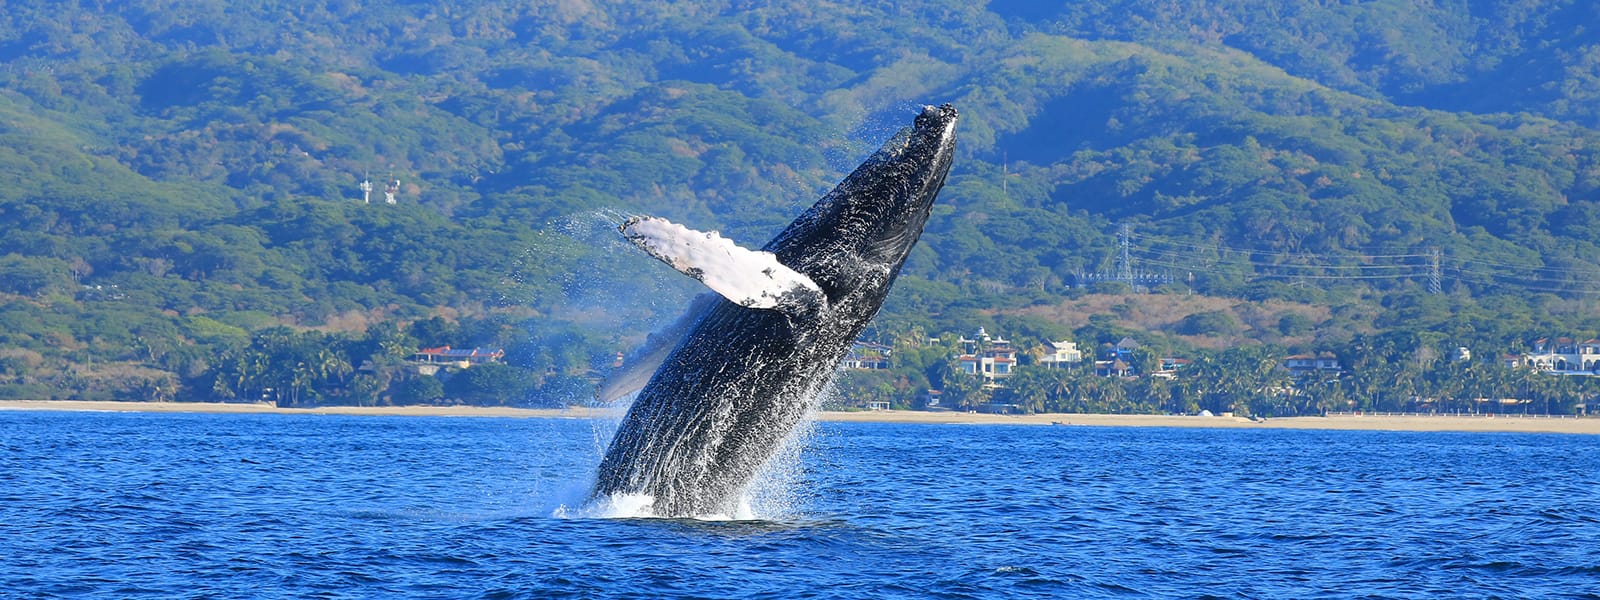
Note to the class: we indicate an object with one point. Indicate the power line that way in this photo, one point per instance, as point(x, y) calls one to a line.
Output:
point(1521, 283)
point(1431, 267)
point(1434, 279)
point(1405, 275)
point(1315, 255)
point(1537, 268)
point(1157, 254)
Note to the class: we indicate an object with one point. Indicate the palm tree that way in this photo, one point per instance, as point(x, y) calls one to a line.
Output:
point(1027, 388)
point(327, 364)
point(962, 388)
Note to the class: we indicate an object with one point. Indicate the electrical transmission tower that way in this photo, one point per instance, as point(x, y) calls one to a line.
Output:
point(1124, 263)
point(1139, 280)
point(1435, 278)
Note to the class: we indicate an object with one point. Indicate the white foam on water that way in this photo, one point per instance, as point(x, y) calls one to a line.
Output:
point(625, 506)
point(616, 506)
point(640, 506)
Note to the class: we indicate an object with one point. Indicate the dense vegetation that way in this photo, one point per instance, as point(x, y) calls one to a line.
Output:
point(1390, 372)
point(182, 218)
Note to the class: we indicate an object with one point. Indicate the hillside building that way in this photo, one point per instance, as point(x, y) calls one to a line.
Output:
point(1060, 355)
point(867, 356)
point(988, 357)
point(1564, 356)
point(1323, 364)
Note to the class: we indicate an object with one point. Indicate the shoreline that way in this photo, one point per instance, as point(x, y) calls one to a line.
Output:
point(1480, 423)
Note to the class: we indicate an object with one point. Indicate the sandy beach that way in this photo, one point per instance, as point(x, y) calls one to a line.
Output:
point(1351, 422)
point(1590, 425)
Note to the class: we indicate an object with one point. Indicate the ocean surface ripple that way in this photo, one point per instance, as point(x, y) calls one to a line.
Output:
point(128, 505)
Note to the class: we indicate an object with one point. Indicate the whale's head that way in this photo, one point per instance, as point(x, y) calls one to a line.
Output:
point(870, 222)
point(916, 160)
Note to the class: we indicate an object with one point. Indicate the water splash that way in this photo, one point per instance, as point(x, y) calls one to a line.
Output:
point(776, 494)
point(598, 271)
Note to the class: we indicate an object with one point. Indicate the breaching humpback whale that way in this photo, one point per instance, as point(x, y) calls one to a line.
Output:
point(742, 369)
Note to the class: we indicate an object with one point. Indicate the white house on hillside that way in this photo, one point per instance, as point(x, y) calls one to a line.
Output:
point(988, 357)
point(867, 356)
point(1305, 365)
point(1060, 355)
point(1563, 356)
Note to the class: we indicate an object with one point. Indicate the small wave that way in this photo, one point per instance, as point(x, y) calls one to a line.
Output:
point(1013, 570)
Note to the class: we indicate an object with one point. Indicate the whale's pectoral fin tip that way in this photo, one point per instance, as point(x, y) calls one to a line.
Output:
point(749, 278)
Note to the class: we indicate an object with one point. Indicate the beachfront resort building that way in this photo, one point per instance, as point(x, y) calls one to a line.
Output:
point(1304, 366)
point(1060, 355)
point(1167, 368)
point(988, 357)
point(429, 360)
point(1115, 367)
point(1564, 356)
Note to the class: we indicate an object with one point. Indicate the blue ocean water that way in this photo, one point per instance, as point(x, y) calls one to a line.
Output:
point(129, 505)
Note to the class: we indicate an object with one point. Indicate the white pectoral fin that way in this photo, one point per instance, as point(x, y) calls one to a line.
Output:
point(749, 278)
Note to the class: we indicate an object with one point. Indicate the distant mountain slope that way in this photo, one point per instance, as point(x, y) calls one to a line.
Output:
point(203, 159)
point(1467, 55)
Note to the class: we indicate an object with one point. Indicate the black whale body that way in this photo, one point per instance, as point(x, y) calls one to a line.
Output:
point(741, 379)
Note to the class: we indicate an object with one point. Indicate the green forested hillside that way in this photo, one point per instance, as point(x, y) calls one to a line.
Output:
point(181, 216)
point(1480, 56)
